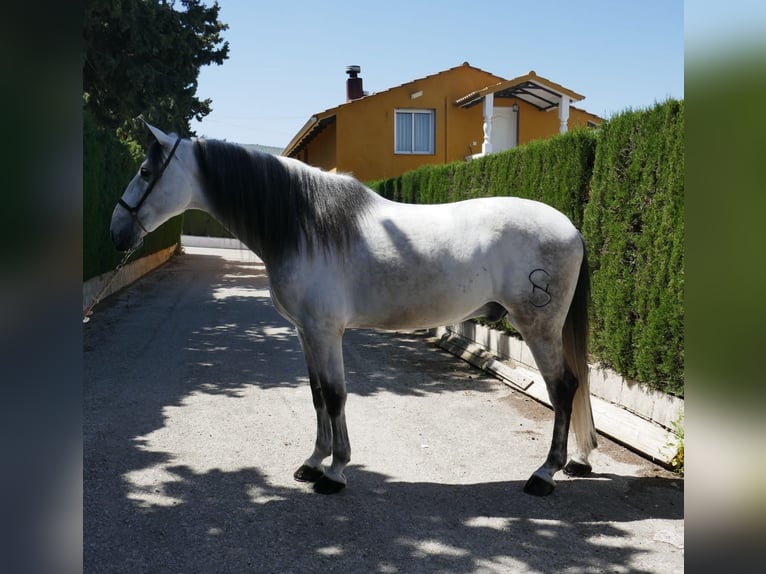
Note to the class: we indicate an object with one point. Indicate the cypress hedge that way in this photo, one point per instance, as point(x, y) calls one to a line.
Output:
point(634, 226)
point(555, 171)
point(108, 165)
point(199, 223)
point(622, 185)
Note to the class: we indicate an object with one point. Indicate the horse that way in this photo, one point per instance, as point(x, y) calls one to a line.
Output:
point(340, 256)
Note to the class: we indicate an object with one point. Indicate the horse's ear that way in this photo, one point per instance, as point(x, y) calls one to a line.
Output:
point(159, 135)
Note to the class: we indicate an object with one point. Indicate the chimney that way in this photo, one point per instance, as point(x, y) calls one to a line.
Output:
point(353, 83)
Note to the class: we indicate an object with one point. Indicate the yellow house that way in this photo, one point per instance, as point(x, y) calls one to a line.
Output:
point(458, 114)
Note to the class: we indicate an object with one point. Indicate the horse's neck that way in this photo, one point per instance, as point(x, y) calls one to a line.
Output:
point(201, 202)
point(238, 230)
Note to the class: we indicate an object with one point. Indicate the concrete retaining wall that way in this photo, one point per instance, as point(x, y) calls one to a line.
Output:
point(127, 275)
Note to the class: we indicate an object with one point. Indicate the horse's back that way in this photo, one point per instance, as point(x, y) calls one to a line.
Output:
point(466, 233)
point(513, 214)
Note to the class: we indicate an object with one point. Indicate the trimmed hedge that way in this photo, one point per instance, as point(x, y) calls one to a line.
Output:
point(555, 171)
point(634, 226)
point(198, 222)
point(108, 165)
point(622, 185)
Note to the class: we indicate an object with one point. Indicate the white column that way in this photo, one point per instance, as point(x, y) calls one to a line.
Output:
point(564, 114)
point(489, 109)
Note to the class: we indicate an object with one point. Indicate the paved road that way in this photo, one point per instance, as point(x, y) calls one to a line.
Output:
point(197, 411)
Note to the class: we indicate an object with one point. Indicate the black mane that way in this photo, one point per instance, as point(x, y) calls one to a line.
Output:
point(279, 207)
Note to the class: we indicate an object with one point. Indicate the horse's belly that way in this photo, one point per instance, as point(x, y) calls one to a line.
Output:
point(405, 320)
point(417, 306)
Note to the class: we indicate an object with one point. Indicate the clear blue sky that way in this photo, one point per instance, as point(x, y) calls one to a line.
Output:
point(287, 59)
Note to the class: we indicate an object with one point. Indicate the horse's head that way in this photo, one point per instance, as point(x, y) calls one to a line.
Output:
point(162, 188)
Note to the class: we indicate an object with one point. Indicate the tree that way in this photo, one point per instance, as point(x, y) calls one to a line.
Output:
point(142, 57)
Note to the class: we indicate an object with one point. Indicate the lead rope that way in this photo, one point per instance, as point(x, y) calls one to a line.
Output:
point(87, 311)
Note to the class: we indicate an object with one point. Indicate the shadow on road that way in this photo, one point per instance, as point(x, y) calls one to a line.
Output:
point(238, 522)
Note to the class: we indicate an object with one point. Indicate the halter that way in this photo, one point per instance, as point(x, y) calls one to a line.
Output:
point(134, 210)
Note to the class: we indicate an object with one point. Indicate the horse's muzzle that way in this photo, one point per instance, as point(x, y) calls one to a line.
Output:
point(124, 231)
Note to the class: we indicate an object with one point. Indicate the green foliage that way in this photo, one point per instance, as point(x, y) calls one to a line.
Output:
point(634, 226)
point(623, 185)
point(555, 171)
point(143, 57)
point(108, 165)
point(200, 223)
point(677, 462)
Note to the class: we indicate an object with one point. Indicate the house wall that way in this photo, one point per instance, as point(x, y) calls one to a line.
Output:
point(535, 124)
point(368, 124)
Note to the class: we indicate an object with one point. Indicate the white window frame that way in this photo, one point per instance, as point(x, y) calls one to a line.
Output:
point(412, 112)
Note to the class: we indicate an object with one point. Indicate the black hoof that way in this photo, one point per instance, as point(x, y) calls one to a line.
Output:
point(307, 474)
point(574, 468)
point(328, 486)
point(536, 486)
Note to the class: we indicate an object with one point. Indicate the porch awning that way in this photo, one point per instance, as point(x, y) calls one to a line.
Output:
point(531, 88)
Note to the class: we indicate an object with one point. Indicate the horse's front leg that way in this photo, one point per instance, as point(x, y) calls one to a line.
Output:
point(312, 470)
point(324, 357)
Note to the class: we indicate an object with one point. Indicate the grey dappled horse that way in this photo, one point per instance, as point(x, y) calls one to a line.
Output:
point(339, 256)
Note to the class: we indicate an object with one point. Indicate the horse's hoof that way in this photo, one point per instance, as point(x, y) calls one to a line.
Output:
point(574, 468)
point(307, 474)
point(328, 486)
point(536, 486)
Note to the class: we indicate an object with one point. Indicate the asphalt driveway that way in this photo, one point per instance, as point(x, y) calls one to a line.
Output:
point(197, 411)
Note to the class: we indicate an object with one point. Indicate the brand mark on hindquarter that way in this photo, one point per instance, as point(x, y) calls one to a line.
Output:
point(540, 279)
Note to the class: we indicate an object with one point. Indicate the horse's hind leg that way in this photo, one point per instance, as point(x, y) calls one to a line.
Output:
point(561, 385)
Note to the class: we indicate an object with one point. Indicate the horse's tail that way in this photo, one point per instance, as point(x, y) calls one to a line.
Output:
point(576, 351)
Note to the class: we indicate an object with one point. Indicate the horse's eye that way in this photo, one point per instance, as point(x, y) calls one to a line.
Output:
point(144, 172)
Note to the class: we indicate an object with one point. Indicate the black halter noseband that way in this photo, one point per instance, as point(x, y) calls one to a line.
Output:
point(134, 209)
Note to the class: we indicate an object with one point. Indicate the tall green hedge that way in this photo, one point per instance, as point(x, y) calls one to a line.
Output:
point(634, 226)
point(555, 171)
point(108, 165)
point(198, 222)
point(622, 185)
